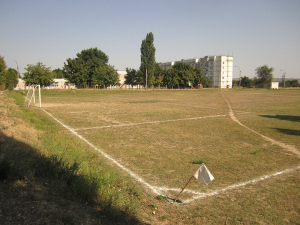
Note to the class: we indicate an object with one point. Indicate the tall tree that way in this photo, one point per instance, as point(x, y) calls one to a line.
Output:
point(38, 74)
point(148, 59)
point(264, 76)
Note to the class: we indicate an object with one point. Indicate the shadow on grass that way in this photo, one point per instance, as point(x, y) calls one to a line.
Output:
point(284, 117)
point(35, 189)
point(288, 131)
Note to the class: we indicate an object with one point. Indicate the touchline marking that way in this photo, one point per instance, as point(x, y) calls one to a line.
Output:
point(135, 176)
point(152, 122)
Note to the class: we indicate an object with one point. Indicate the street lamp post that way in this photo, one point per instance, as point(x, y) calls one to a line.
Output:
point(283, 77)
point(240, 75)
point(18, 72)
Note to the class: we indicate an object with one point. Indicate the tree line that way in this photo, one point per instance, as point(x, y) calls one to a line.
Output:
point(263, 79)
point(90, 68)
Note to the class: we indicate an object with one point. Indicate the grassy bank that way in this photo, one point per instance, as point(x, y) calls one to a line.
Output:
point(51, 156)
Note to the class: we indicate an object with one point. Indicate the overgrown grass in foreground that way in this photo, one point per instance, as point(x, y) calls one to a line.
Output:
point(77, 171)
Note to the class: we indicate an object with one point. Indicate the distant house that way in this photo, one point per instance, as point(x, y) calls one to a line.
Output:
point(274, 85)
point(61, 83)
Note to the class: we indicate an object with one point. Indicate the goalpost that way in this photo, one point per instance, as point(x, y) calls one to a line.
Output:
point(30, 97)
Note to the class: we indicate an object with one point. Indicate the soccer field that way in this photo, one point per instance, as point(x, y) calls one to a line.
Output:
point(242, 136)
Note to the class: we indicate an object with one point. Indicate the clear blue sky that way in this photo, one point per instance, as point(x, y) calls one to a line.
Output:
point(256, 32)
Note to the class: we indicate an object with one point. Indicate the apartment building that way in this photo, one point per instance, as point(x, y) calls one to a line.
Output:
point(217, 68)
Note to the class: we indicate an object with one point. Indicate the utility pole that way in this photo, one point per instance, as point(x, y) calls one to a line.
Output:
point(18, 72)
point(240, 75)
point(283, 77)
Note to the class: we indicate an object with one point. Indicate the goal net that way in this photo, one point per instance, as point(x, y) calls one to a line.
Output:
point(30, 99)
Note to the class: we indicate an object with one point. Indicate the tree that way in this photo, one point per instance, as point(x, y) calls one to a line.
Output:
point(147, 66)
point(112, 76)
point(90, 68)
point(38, 74)
point(246, 82)
point(11, 78)
point(158, 75)
point(171, 78)
point(185, 73)
point(206, 82)
point(57, 73)
point(198, 76)
point(2, 73)
point(264, 76)
point(131, 77)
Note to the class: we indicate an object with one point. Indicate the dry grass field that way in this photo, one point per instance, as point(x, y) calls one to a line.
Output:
point(249, 140)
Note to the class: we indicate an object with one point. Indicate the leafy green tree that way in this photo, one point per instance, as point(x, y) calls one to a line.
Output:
point(185, 73)
point(57, 73)
point(111, 76)
point(147, 66)
point(158, 75)
point(131, 77)
point(294, 83)
point(90, 68)
point(264, 77)
point(2, 73)
point(11, 78)
point(171, 78)
point(206, 82)
point(188, 75)
point(38, 74)
point(198, 76)
point(246, 82)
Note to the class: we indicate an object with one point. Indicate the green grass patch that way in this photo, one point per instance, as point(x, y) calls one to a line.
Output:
point(200, 161)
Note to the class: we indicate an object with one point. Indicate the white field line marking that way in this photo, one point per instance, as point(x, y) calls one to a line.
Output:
point(204, 195)
point(151, 122)
point(158, 190)
point(135, 176)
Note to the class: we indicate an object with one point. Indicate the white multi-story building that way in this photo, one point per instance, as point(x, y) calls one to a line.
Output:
point(217, 68)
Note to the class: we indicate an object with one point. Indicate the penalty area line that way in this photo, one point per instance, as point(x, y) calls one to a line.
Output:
point(151, 122)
